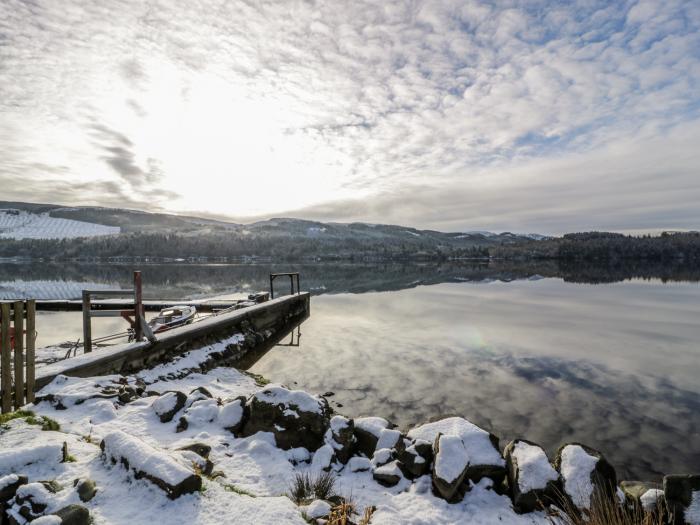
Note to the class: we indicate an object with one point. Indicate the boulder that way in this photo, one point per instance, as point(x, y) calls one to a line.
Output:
point(9, 485)
point(168, 404)
point(340, 435)
point(86, 489)
point(367, 431)
point(359, 464)
point(390, 438)
point(449, 467)
point(296, 418)
point(485, 458)
point(388, 474)
point(682, 495)
point(233, 414)
point(532, 480)
point(317, 509)
point(323, 457)
point(73, 515)
point(415, 459)
point(585, 474)
point(147, 462)
point(642, 494)
point(31, 500)
point(198, 453)
point(382, 457)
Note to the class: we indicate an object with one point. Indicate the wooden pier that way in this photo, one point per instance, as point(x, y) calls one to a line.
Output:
point(204, 305)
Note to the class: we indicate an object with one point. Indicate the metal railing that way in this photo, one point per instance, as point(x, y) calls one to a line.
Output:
point(292, 277)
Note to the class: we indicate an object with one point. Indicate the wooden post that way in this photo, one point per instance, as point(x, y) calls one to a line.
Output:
point(31, 342)
point(5, 360)
point(87, 328)
point(19, 354)
point(138, 306)
point(272, 289)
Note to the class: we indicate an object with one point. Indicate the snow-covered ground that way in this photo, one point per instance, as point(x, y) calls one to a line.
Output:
point(25, 225)
point(254, 474)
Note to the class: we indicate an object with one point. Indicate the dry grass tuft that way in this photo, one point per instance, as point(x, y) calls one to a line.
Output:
point(305, 489)
point(606, 511)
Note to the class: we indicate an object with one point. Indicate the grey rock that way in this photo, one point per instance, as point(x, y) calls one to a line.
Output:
point(450, 490)
point(415, 459)
point(180, 401)
point(603, 476)
point(86, 489)
point(388, 475)
point(74, 515)
point(341, 437)
point(679, 491)
point(536, 497)
point(8, 491)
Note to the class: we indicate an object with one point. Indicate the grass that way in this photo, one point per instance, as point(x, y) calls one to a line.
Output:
point(259, 380)
point(46, 423)
point(606, 511)
point(228, 487)
point(305, 488)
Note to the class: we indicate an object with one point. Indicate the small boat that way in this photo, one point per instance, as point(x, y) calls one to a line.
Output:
point(172, 317)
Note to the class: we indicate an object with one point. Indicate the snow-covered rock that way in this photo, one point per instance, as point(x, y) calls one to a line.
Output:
point(389, 438)
point(231, 416)
point(682, 495)
point(150, 463)
point(340, 436)
point(532, 479)
point(585, 472)
point(450, 465)
point(317, 509)
point(388, 474)
point(322, 458)
point(416, 459)
point(13, 460)
point(169, 404)
point(296, 418)
point(359, 464)
point(485, 459)
point(367, 432)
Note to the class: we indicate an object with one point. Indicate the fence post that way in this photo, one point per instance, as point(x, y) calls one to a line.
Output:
point(5, 360)
point(87, 328)
point(138, 306)
point(19, 354)
point(31, 342)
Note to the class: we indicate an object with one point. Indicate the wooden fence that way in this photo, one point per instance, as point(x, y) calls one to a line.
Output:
point(17, 349)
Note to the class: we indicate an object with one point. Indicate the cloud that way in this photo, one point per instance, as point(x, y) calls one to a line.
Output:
point(359, 102)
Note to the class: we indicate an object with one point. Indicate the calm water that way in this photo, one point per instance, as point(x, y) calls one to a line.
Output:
point(616, 365)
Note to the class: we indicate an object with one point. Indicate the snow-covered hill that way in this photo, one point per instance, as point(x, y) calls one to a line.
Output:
point(17, 224)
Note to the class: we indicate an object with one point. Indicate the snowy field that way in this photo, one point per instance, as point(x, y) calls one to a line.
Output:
point(254, 474)
point(24, 225)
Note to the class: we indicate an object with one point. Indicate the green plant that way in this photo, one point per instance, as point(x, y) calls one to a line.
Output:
point(259, 379)
point(46, 423)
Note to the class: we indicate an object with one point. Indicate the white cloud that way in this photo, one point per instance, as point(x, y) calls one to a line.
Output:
point(436, 114)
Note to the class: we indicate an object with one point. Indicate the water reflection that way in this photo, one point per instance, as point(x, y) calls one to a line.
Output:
point(544, 360)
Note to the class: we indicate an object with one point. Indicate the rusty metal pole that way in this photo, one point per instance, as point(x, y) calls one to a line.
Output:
point(138, 306)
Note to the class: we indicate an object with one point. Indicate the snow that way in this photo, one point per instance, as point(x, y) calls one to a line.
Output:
point(358, 464)
point(322, 458)
point(231, 414)
point(388, 438)
point(692, 513)
point(14, 459)
point(145, 458)
point(476, 440)
point(6, 481)
point(278, 395)
point(373, 425)
point(26, 225)
point(576, 468)
point(650, 498)
point(317, 509)
point(535, 469)
point(51, 519)
point(452, 458)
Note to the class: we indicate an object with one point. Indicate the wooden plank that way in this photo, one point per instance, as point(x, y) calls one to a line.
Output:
point(31, 348)
point(19, 354)
point(87, 327)
point(5, 360)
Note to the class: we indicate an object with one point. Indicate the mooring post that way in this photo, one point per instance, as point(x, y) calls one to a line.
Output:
point(272, 289)
point(87, 329)
point(31, 348)
point(19, 354)
point(5, 359)
point(138, 306)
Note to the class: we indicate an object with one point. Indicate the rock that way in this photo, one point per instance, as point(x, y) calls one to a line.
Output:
point(449, 467)
point(317, 509)
point(390, 438)
point(682, 495)
point(485, 458)
point(169, 404)
point(367, 431)
point(296, 418)
point(340, 435)
point(86, 489)
point(200, 391)
point(9, 485)
point(532, 480)
point(31, 500)
point(322, 458)
point(415, 460)
point(382, 457)
point(149, 463)
point(74, 515)
point(585, 472)
point(642, 494)
point(233, 415)
point(359, 464)
point(387, 475)
point(201, 449)
point(182, 424)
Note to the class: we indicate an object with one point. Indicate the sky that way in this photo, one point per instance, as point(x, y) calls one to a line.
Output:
point(528, 116)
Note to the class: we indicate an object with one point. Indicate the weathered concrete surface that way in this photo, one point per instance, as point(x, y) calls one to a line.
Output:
point(275, 315)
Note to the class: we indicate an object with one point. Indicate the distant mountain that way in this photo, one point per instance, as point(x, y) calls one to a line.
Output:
point(44, 230)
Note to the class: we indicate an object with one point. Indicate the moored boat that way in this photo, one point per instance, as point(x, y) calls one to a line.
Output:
point(172, 317)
